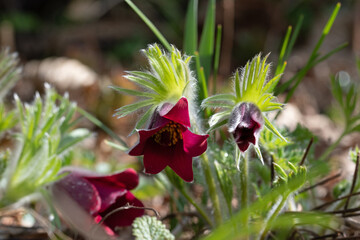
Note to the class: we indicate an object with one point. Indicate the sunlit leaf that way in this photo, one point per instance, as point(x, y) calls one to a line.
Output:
point(149, 228)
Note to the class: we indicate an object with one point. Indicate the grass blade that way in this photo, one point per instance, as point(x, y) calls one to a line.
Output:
point(101, 125)
point(283, 50)
point(202, 79)
point(217, 56)
point(313, 59)
point(191, 33)
point(294, 36)
point(152, 27)
point(206, 48)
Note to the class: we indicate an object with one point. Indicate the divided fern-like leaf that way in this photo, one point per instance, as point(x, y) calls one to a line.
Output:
point(9, 71)
point(149, 228)
point(46, 135)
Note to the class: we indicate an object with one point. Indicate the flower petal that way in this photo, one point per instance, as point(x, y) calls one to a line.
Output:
point(81, 191)
point(127, 179)
point(114, 186)
point(178, 113)
point(156, 157)
point(108, 192)
point(144, 135)
point(123, 217)
point(74, 213)
point(194, 144)
point(245, 124)
point(181, 164)
point(243, 145)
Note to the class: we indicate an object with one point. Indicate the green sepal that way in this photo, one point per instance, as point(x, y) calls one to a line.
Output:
point(144, 118)
point(127, 109)
point(271, 127)
point(134, 92)
point(258, 153)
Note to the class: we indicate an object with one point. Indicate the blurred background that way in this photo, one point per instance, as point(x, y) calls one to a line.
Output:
point(83, 46)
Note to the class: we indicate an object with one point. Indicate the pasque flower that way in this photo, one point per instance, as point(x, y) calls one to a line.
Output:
point(245, 124)
point(168, 142)
point(100, 195)
point(245, 109)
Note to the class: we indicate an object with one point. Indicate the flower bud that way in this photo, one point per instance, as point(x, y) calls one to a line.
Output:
point(245, 124)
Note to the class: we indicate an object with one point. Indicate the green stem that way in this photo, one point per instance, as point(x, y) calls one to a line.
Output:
point(217, 57)
point(272, 216)
point(179, 185)
point(212, 189)
point(197, 207)
point(244, 184)
point(150, 25)
point(228, 203)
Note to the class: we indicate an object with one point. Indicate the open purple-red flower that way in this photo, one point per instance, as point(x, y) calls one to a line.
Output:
point(245, 124)
point(100, 195)
point(168, 142)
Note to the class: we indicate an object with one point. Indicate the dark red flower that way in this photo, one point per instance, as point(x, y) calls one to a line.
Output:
point(245, 123)
point(168, 142)
point(99, 195)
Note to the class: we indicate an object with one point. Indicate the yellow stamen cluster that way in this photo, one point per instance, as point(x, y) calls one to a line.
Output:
point(168, 135)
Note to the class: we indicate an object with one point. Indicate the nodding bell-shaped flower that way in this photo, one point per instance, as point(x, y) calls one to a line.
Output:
point(246, 108)
point(245, 124)
point(168, 142)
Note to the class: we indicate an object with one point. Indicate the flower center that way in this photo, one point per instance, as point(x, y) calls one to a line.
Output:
point(169, 135)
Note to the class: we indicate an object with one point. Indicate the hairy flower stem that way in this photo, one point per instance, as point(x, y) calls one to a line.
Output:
point(272, 216)
point(197, 207)
point(179, 185)
point(212, 189)
point(244, 184)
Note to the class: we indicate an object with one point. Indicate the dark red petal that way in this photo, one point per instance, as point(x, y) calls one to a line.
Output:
point(123, 217)
point(81, 191)
point(156, 157)
point(108, 191)
point(181, 164)
point(243, 145)
point(252, 139)
point(74, 213)
point(194, 144)
point(128, 179)
point(179, 113)
point(144, 135)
